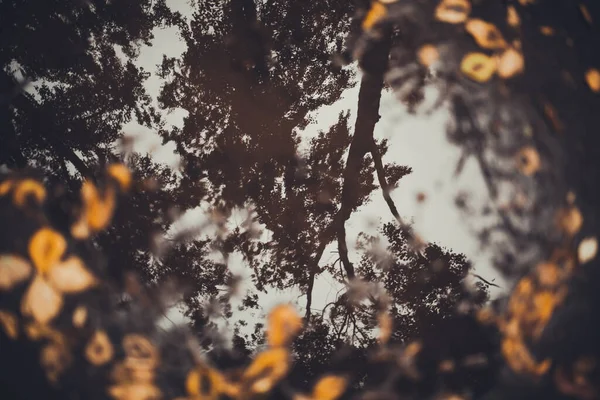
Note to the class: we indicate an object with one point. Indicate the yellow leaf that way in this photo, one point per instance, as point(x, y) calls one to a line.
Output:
point(135, 391)
point(13, 270)
point(204, 382)
point(121, 174)
point(512, 17)
point(99, 210)
point(29, 188)
point(375, 14)
point(41, 301)
point(79, 316)
point(9, 323)
point(283, 324)
point(453, 11)
point(592, 77)
point(510, 63)
point(5, 187)
point(54, 359)
point(485, 34)
point(46, 248)
point(80, 229)
point(528, 161)
point(570, 220)
point(99, 349)
point(70, 276)
point(478, 66)
point(269, 366)
point(587, 249)
point(329, 388)
point(428, 55)
point(36, 331)
point(141, 357)
point(548, 274)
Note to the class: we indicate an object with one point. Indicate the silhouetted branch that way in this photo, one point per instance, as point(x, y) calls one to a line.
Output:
point(315, 267)
point(384, 184)
point(369, 98)
point(485, 281)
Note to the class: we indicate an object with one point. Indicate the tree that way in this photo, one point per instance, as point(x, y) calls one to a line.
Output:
point(69, 50)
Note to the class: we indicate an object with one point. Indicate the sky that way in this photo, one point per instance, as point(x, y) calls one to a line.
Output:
point(418, 141)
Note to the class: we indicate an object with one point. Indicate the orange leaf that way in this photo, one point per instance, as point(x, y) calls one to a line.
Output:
point(46, 248)
point(329, 387)
point(283, 324)
point(27, 188)
point(41, 301)
point(71, 276)
point(13, 270)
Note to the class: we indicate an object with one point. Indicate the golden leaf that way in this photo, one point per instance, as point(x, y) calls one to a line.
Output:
point(375, 14)
point(46, 248)
point(486, 316)
point(512, 328)
point(283, 324)
point(528, 161)
point(587, 250)
point(41, 301)
point(54, 359)
point(592, 77)
point(485, 34)
point(80, 229)
point(517, 355)
point(544, 304)
point(36, 331)
point(13, 270)
point(141, 358)
point(548, 274)
point(510, 63)
point(5, 187)
point(453, 11)
point(99, 210)
point(512, 17)
point(204, 382)
point(121, 174)
point(9, 324)
point(428, 55)
point(96, 213)
point(269, 366)
point(329, 387)
point(70, 276)
point(478, 66)
point(140, 352)
point(99, 349)
point(412, 349)
point(570, 220)
point(27, 188)
point(135, 391)
point(79, 317)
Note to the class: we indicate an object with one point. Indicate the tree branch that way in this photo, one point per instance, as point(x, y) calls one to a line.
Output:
point(369, 99)
point(384, 184)
point(315, 265)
